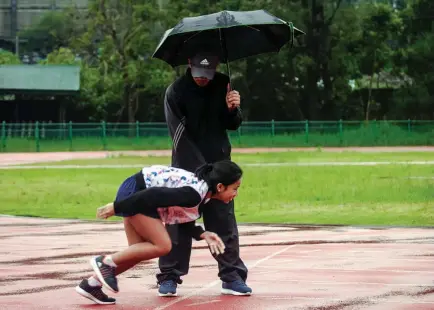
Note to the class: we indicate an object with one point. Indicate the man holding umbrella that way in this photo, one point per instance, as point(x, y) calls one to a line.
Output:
point(199, 109)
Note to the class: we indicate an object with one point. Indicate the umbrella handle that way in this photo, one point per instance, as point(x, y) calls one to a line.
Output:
point(225, 54)
point(229, 74)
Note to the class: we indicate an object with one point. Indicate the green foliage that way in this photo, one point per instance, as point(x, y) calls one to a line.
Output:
point(54, 30)
point(349, 47)
point(8, 58)
point(117, 44)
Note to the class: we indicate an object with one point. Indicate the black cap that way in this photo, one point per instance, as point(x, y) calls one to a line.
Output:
point(204, 65)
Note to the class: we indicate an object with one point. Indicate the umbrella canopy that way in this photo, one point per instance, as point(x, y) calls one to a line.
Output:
point(231, 35)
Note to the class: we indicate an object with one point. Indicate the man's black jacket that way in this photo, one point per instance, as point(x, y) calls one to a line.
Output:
point(198, 119)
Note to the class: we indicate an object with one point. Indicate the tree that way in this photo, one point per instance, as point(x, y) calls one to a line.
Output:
point(8, 58)
point(382, 26)
point(350, 50)
point(416, 100)
point(415, 60)
point(54, 30)
point(119, 42)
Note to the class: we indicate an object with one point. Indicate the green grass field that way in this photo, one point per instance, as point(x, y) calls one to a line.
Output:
point(398, 194)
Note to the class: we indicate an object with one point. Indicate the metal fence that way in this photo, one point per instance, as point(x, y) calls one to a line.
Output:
point(41, 137)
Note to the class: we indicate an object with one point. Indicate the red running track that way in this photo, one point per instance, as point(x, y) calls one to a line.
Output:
point(290, 267)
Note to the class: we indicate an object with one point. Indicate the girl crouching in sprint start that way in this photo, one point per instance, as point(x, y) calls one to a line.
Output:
point(146, 200)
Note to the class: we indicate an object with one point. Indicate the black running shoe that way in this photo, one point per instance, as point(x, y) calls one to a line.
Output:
point(106, 274)
point(94, 293)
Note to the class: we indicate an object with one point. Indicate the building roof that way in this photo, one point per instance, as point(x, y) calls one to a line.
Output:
point(42, 79)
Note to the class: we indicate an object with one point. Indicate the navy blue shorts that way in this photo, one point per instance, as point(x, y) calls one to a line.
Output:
point(129, 187)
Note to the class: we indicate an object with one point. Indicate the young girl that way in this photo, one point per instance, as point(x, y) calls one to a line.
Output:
point(146, 200)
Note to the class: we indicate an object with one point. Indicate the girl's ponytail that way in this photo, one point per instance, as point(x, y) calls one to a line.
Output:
point(203, 172)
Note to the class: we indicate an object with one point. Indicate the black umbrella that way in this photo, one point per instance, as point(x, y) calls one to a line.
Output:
point(231, 35)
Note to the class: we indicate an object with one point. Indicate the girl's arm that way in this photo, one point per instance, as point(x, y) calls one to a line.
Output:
point(152, 198)
point(215, 244)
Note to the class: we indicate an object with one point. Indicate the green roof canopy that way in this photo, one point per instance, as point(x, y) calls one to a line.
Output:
point(39, 79)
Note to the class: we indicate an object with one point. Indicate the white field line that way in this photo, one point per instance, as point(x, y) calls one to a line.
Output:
point(299, 164)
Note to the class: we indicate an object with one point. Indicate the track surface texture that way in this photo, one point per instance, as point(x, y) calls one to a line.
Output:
point(290, 267)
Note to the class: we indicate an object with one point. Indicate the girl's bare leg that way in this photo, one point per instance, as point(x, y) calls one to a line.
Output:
point(91, 288)
point(132, 237)
point(158, 244)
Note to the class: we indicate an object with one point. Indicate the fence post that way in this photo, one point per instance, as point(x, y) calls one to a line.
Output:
point(3, 136)
point(137, 131)
point(104, 135)
point(341, 132)
point(306, 131)
point(273, 128)
point(37, 136)
point(375, 130)
point(239, 136)
point(409, 125)
point(42, 131)
point(70, 135)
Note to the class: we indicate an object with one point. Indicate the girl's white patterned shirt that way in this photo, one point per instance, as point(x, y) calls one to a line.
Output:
point(163, 176)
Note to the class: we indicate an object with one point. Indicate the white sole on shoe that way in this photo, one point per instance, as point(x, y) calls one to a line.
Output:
point(226, 291)
point(168, 294)
point(85, 294)
point(99, 275)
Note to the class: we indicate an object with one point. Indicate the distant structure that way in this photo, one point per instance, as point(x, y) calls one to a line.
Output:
point(17, 15)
